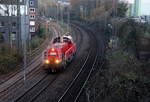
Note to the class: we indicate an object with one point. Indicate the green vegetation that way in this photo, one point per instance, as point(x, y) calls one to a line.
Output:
point(1, 38)
point(122, 8)
point(128, 33)
point(41, 31)
point(36, 42)
point(123, 78)
point(134, 36)
point(128, 77)
point(9, 59)
point(126, 68)
point(38, 39)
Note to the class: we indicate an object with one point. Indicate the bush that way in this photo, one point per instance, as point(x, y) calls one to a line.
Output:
point(7, 63)
point(41, 32)
point(9, 59)
point(126, 67)
point(129, 77)
point(1, 38)
point(129, 32)
point(36, 41)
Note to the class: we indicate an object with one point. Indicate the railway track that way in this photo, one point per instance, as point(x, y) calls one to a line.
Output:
point(79, 72)
point(72, 92)
point(5, 90)
point(89, 63)
point(19, 86)
point(30, 62)
point(43, 84)
point(28, 90)
point(81, 96)
point(40, 89)
point(31, 58)
point(77, 85)
point(36, 88)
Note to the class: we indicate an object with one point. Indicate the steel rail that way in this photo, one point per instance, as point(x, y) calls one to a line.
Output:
point(86, 79)
point(33, 61)
point(32, 71)
point(71, 85)
point(102, 63)
point(36, 52)
point(88, 76)
point(17, 85)
point(37, 83)
point(44, 88)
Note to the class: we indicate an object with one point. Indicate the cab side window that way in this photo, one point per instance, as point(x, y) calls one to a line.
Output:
point(57, 40)
point(66, 40)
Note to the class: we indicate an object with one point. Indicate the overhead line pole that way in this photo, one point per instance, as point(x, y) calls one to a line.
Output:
point(25, 32)
point(68, 18)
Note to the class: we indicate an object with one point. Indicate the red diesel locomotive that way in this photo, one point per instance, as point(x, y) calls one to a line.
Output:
point(59, 54)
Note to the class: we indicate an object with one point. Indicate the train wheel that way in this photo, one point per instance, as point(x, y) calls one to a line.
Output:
point(53, 70)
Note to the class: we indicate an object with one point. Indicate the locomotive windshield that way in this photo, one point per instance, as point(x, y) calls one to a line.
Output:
point(57, 40)
point(66, 40)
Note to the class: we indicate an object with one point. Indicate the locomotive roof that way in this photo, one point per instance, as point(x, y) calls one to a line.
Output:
point(58, 45)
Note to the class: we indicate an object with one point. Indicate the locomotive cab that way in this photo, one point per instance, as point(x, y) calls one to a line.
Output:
point(57, 40)
point(59, 53)
point(54, 56)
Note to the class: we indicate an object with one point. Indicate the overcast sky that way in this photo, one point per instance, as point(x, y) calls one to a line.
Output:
point(145, 7)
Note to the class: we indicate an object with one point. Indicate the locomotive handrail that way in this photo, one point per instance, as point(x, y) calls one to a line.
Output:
point(69, 50)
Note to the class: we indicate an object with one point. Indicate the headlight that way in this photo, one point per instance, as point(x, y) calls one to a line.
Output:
point(47, 61)
point(52, 49)
point(57, 61)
